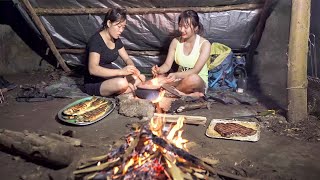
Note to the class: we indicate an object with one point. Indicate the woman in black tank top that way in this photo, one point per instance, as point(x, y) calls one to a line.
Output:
point(103, 78)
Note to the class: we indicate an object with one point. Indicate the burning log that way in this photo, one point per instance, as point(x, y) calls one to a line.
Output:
point(195, 120)
point(43, 149)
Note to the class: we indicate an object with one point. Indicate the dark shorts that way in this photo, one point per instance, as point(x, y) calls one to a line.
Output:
point(93, 89)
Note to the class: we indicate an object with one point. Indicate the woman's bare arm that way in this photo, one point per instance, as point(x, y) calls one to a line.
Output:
point(97, 70)
point(124, 55)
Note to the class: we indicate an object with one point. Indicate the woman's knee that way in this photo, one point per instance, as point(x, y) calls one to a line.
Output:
point(193, 79)
point(122, 84)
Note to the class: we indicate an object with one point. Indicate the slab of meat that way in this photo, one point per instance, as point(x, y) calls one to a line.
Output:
point(233, 129)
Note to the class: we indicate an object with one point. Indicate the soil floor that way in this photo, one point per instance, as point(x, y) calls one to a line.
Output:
point(284, 151)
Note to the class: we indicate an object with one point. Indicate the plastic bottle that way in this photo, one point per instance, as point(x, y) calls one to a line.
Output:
point(242, 84)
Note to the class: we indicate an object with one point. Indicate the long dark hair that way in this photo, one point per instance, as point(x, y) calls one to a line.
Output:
point(194, 18)
point(114, 15)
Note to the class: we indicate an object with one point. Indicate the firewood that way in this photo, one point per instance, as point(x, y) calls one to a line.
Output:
point(38, 148)
point(195, 120)
point(101, 167)
point(174, 171)
point(200, 176)
point(192, 159)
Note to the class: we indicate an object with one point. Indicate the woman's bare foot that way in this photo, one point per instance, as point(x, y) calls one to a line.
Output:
point(193, 94)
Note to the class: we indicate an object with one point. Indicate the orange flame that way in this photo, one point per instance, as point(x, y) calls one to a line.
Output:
point(115, 170)
point(129, 164)
point(156, 125)
point(175, 133)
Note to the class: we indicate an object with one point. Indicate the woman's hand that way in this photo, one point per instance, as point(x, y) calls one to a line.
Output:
point(130, 69)
point(172, 77)
point(155, 70)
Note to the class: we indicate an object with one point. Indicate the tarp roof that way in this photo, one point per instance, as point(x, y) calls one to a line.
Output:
point(146, 31)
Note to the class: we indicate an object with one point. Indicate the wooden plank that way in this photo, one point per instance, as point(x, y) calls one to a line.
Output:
point(45, 34)
point(196, 120)
point(135, 11)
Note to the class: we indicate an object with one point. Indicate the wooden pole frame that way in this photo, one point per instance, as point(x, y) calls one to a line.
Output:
point(297, 60)
point(45, 34)
point(134, 11)
point(256, 37)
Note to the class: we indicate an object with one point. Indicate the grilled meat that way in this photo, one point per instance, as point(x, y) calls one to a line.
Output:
point(233, 129)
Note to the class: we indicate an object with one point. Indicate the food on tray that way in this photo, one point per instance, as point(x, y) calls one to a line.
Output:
point(233, 129)
point(79, 107)
point(95, 114)
point(95, 104)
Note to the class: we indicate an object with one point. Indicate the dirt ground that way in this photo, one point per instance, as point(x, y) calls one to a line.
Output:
point(284, 151)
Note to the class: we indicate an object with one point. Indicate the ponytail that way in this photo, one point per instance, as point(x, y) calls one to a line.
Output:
point(114, 15)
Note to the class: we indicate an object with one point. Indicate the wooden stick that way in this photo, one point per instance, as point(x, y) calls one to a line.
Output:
point(134, 11)
point(196, 120)
point(103, 166)
point(45, 34)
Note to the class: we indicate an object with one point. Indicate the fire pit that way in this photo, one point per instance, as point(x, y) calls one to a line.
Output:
point(152, 151)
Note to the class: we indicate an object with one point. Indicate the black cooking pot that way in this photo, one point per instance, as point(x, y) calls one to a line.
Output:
point(147, 92)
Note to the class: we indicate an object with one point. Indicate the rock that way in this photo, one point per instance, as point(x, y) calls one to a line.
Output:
point(134, 107)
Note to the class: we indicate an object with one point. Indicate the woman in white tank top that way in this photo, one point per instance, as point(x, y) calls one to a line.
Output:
point(191, 52)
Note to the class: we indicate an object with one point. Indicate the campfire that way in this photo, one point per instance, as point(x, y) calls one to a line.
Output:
point(155, 150)
point(152, 151)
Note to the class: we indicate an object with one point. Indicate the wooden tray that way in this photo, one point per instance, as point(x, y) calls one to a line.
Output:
point(75, 122)
point(214, 134)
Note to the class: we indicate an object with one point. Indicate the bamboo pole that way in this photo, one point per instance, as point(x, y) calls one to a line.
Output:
point(133, 11)
point(297, 61)
point(45, 34)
